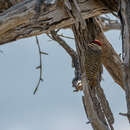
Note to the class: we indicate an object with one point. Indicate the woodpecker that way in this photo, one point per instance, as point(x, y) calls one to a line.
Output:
point(93, 62)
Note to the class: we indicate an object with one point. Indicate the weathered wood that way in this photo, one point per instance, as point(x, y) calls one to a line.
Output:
point(5, 4)
point(18, 21)
point(111, 60)
point(125, 20)
point(90, 100)
point(105, 106)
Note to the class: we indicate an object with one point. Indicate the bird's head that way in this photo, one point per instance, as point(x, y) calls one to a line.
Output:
point(95, 45)
point(97, 42)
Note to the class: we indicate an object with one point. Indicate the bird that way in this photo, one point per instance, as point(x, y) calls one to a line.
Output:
point(93, 62)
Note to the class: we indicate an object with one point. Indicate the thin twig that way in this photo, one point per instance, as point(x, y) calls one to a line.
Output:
point(61, 35)
point(124, 114)
point(40, 66)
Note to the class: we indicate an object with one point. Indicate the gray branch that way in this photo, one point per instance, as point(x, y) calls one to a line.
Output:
point(73, 55)
point(18, 22)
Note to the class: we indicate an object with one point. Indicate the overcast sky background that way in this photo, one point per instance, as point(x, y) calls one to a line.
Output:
point(55, 106)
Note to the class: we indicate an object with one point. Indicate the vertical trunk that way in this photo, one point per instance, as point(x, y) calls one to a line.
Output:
point(93, 104)
point(125, 20)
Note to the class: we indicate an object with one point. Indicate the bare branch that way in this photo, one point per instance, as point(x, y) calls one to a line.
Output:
point(111, 60)
point(64, 36)
point(125, 115)
point(18, 21)
point(124, 14)
point(109, 24)
point(73, 55)
point(39, 67)
point(69, 50)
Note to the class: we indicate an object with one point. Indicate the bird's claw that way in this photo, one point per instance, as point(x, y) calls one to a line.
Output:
point(77, 85)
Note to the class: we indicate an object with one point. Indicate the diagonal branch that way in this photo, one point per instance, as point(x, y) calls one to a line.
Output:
point(111, 60)
point(73, 55)
point(61, 42)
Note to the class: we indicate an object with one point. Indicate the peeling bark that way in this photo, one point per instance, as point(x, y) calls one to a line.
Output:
point(125, 20)
point(5, 4)
point(18, 21)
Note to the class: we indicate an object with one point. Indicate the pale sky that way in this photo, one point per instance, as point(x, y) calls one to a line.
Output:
point(55, 106)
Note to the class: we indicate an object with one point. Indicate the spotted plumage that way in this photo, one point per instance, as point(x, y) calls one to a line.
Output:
point(93, 62)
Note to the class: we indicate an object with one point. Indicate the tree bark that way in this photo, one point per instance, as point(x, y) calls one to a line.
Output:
point(5, 4)
point(111, 60)
point(19, 21)
point(92, 103)
point(125, 20)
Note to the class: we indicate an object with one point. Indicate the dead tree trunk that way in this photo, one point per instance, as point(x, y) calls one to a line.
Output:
point(98, 111)
point(125, 20)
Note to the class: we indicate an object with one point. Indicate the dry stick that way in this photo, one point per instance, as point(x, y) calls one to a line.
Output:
point(61, 35)
point(125, 114)
point(40, 66)
point(105, 106)
point(69, 50)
